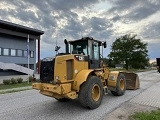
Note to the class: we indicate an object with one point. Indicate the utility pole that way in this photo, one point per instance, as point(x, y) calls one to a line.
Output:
point(28, 56)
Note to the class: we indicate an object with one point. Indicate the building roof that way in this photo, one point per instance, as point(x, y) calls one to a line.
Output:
point(15, 28)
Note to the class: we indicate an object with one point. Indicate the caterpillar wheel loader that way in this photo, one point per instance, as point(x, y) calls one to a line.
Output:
point(80, 73)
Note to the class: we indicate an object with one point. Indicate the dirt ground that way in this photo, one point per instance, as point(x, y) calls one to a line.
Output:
point(127, 109)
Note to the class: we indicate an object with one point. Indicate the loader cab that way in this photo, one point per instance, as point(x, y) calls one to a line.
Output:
point(88, 47)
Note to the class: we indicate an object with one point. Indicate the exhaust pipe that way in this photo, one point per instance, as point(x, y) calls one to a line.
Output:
point(67, 46)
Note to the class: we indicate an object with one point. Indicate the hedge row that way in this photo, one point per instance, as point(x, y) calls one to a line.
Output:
point(12, 81)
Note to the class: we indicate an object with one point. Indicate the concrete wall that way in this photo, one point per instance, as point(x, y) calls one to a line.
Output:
point(13, 42)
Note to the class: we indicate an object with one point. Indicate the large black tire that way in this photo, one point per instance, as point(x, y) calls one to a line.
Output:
point(91, 93)
point(120, 85)
point(62, 100)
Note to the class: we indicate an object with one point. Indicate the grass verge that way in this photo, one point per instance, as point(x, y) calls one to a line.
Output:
point(10, 86)
point(10, 91)
point(153, 115)
point(130, 70)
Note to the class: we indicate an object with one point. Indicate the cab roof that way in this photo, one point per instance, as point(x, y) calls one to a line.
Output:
point(84, 39)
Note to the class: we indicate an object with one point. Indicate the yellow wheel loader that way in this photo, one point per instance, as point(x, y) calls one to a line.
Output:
point(80, 73)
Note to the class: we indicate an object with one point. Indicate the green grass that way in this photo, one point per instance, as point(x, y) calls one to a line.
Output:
point(153, 115)
point(17, 85)
point(10, 91)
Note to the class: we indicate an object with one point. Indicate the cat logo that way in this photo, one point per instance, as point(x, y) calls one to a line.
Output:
point(81, 58)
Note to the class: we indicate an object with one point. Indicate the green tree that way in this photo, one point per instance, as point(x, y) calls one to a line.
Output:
point(108, 62)
point(129, 50)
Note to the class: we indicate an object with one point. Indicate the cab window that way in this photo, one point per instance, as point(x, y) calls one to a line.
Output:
point(79, 48)
point(95, 50)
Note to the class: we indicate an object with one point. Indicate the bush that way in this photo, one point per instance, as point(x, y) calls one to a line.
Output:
point(6, 82)
point(30, 78)
point(13, 81)
point(19, 80)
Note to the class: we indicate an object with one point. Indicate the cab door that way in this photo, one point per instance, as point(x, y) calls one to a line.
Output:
point(94, 61)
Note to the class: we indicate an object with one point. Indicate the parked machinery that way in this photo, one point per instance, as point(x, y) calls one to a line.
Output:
point(80, 73)
point(158, 64)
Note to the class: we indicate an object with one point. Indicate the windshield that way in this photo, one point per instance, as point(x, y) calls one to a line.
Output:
point(79, 48)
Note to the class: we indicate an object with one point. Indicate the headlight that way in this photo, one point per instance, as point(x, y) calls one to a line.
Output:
point(112, 77)
point(57, 77)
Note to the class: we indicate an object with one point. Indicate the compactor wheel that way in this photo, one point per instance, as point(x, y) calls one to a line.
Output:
point(91, 93)
point(120, 85)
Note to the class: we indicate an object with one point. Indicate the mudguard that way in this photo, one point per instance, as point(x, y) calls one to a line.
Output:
point(80, 78)
point(112, 80)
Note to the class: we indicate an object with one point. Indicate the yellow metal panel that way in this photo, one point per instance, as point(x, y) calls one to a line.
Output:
point(78, 66)
point(47, 93)
point(86, 65)
point(66, 88)
point(80, 78)
point(59, 68)
point(37, 86)
point(59, 89)
point(49, 90)
point(53, 88)
point(71, 95)
point(113, 78)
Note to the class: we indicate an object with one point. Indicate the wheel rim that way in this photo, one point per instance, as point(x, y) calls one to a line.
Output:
point(121, 84)
point(96, 92)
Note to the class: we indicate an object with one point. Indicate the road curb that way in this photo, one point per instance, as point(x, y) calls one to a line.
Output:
point(16, 89)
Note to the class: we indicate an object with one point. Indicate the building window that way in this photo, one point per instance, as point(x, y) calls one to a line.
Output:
point(5, 51)
point(13, 52)
point(31, 54)
point(19, 52)
point(25, 53)
point(0, 51)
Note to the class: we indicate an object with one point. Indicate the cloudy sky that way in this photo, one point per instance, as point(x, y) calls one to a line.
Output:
point(100, 19)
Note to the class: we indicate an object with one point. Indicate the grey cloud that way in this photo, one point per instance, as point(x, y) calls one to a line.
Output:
point(151, 31)
point(27, 16)
point(50, 12)
point(137, 10)
point(116, 18)
point(142, 12)
point(121, 5)
point(62, 5)
point(98, 24)
point(48, 22)
point(73, 25)
point(18, 3)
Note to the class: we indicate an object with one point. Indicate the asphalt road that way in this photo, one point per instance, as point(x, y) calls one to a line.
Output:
point(30, 105)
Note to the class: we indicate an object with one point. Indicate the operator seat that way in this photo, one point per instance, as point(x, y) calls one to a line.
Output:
point(74, 52)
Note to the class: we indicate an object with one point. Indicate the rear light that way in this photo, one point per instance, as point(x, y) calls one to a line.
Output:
point(76, 57)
